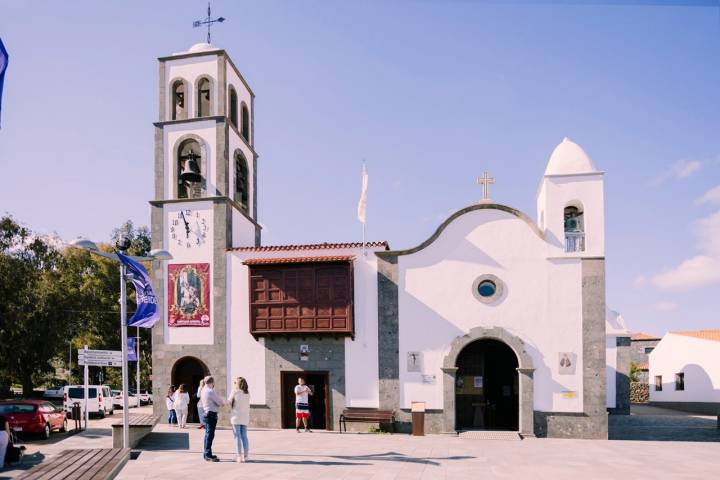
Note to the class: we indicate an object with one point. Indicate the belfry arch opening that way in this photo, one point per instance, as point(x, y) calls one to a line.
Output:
point(188, 371)
point(574, 226)
point(487, 387)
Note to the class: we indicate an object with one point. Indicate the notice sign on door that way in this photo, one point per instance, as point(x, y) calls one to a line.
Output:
point(478, 382)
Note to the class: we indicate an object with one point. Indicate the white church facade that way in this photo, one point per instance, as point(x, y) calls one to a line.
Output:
point(495, 322)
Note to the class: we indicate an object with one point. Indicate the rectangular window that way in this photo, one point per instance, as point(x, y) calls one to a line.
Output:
point(658, 383)
point(649, 349)
point(679, 381)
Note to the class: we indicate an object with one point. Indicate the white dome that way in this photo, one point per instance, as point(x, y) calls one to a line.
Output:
point(569, 158)
point(202, 47)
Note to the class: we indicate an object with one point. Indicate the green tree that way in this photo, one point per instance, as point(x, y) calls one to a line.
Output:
point(36, 293)
point(634, 372)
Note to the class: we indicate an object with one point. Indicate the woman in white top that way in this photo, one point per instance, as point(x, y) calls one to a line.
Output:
point(172, 417)
point(239, 401)
point(200, 409)
point(181, 401)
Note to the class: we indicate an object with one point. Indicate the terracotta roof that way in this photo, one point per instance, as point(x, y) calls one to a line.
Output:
point(311, 246)
point(643, 366)
point(702, 334)
point(274, 261)
point(643, 336)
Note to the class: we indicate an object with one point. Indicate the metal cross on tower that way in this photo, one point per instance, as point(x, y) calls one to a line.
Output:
point(486, 180)
point(208, 21)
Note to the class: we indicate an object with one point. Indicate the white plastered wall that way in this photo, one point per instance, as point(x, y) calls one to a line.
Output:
point(200, 254)
point(698, 359)
point(541, 304)
point(247, 355)
point(190, 69)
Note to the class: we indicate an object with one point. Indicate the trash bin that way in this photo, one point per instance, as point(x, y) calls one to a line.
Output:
point(418, 418)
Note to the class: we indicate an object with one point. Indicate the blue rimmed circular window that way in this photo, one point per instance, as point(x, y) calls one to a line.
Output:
point(488, 288)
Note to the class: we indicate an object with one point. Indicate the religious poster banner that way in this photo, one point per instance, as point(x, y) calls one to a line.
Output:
point(189, 295)
point(566, 363)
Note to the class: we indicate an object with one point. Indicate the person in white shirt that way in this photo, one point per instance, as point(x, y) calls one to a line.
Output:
point(239, 401)
point(172, 417)
point(302, 405)
point(181, 400)
point(200, 410)
point(211, 403)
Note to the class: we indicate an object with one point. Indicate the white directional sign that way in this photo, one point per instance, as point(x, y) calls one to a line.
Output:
point(100, 358)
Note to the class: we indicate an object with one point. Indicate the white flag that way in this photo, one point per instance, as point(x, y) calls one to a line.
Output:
point(362, 203)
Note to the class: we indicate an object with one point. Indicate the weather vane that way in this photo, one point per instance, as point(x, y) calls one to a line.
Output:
point(208, 21)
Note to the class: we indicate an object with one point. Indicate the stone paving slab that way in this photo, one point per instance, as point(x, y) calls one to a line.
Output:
point(173, 453)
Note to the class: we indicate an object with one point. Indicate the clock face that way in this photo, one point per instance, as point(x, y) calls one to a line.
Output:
point(188, 228)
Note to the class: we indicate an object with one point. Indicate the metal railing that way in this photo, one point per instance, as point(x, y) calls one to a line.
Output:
point(574, 241)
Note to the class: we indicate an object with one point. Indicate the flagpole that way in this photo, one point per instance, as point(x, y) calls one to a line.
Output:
point(137, 381)
point(123, 344)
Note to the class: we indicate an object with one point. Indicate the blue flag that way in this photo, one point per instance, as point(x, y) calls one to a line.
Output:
point(132, 349)
point(147, 308)
point(4, 57)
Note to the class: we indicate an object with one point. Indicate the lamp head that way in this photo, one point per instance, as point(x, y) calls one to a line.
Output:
point(123, 243)
point(84, 243)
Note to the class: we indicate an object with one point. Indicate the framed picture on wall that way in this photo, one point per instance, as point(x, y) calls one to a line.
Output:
point(189, 295)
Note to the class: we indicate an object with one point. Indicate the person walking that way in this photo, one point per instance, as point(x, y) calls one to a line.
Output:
point(172, 417)
point(239, 401)
point(181, 400)
point(200, 411)
point(302, 405)
point(211, 403)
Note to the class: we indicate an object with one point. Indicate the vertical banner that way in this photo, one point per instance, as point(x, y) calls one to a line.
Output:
point(189, 295)
point(132, 349)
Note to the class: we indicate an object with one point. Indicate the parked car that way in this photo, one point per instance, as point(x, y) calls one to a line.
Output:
point(117, 396)
point(145, 397)
point(99, 399)
point(54, 392)
point(33, 416)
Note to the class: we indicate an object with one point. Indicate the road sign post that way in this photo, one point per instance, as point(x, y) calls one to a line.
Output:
point(87, 414)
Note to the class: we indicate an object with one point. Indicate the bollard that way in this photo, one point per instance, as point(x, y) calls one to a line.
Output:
point(76, 414)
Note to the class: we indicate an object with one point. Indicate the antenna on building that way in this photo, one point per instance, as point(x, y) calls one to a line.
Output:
point(208, 21)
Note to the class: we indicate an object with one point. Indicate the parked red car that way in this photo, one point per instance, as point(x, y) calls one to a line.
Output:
point(33, 416)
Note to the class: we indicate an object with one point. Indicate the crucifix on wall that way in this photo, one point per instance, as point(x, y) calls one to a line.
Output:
point(486, 180)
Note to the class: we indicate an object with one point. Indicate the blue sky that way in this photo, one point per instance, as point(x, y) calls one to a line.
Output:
point(431, 94)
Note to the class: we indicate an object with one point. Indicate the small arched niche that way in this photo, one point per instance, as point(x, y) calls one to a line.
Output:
point(178, 92)
point(190, 169)
point(233, 107)
point(245, 130)
point(242, 181)
point(574, 227)
point(204, 92)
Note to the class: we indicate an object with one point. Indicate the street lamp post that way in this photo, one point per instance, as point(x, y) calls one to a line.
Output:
point(122, 245)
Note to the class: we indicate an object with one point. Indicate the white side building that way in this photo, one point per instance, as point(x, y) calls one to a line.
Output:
point(685, 372)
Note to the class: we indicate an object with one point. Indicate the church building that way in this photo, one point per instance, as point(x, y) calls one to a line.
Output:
point(495, 322)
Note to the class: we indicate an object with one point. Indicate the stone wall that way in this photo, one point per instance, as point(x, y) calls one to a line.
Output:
point(639, 392)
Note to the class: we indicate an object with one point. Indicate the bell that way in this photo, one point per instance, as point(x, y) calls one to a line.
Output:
point(190, 172)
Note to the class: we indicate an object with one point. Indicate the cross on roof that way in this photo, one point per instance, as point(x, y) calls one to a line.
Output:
point(486, 180)
point(208, 21)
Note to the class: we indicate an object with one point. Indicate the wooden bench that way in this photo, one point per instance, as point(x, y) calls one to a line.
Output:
point(81, 464)
point(140, 426)
point(354, 414)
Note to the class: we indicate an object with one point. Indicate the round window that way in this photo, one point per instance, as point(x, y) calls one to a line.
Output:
point(487, 288)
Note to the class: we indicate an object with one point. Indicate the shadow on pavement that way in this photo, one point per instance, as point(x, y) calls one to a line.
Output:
point(157, 441)
point(663, 428)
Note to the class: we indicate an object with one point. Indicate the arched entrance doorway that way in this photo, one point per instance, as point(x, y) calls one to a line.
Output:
point(189, 371)
point(486, 387)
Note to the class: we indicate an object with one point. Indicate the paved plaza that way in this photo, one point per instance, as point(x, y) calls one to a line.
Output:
point(693, 453)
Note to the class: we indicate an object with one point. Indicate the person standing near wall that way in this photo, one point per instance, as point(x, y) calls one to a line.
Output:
point(181, 400)
point(211, 403)
point(240, 417)
point(302, 405)
point(200, 410)
point(172, 417)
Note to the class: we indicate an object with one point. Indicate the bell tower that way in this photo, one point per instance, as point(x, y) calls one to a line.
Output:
point(205, 203)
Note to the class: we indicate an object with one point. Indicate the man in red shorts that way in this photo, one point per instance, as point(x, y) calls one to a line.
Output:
point(302, 406)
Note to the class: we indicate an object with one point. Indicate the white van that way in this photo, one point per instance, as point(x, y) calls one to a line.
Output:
point(100, 400)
